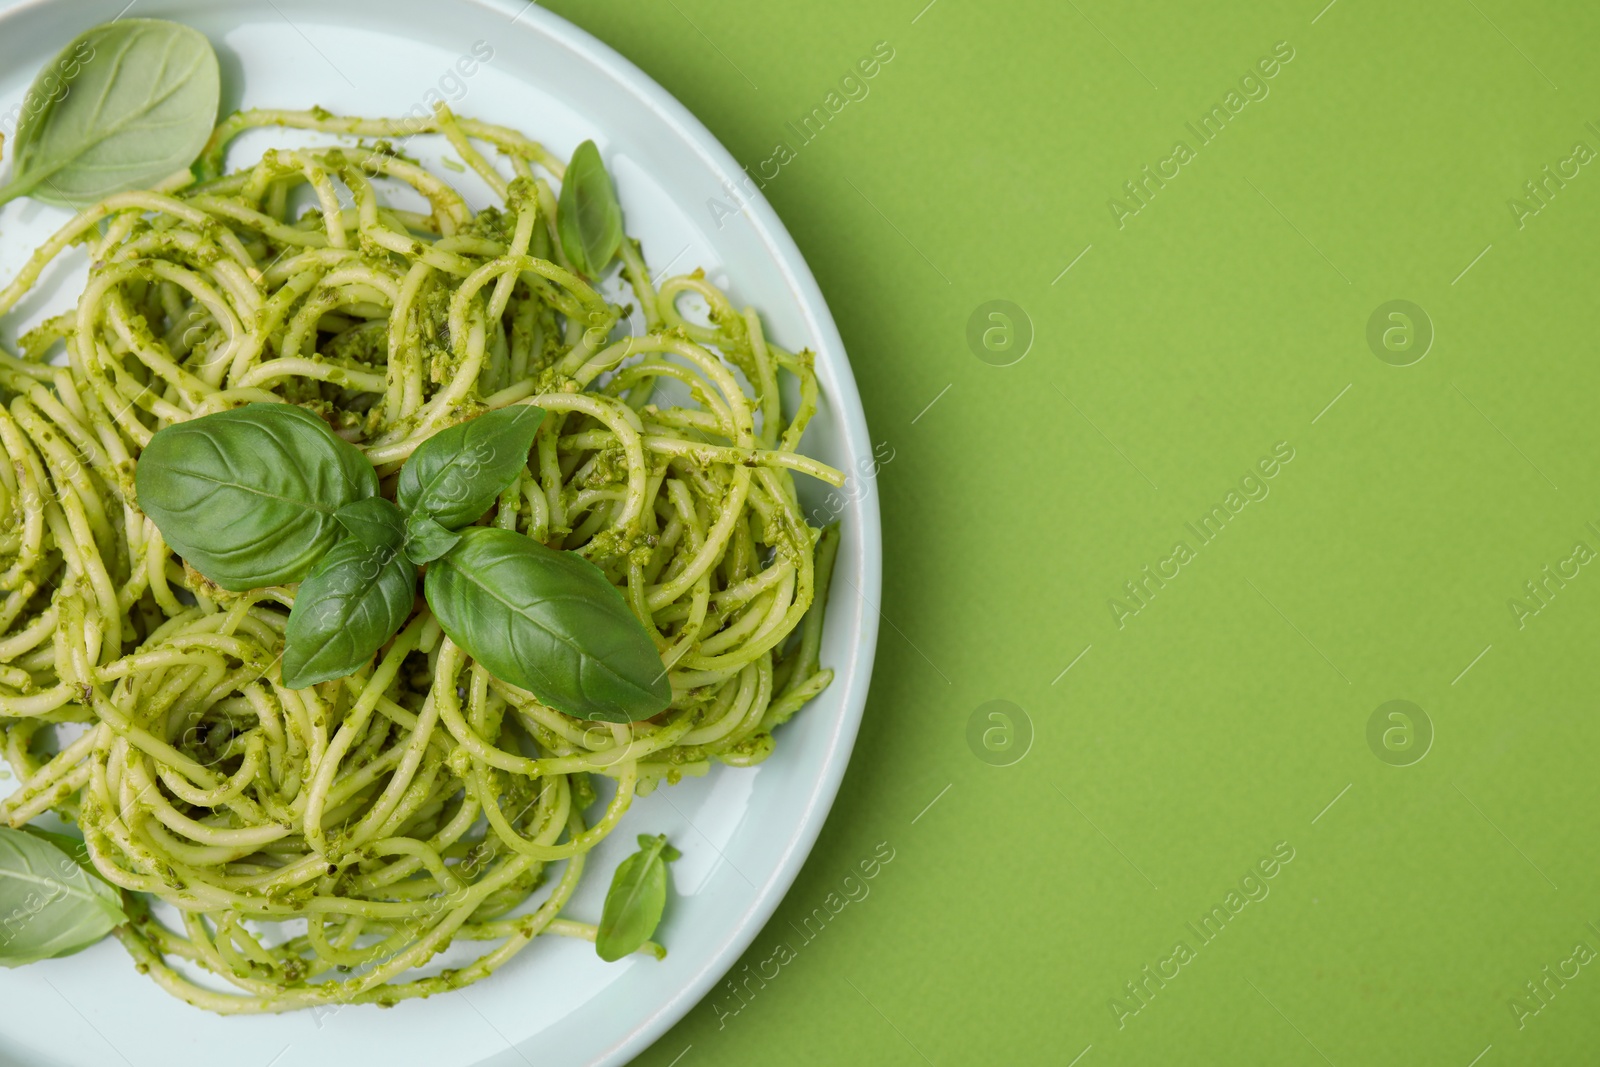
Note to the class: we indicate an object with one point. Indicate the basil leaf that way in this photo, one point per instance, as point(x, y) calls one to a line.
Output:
point(636, 899)
point(550, 623)
point(588, 217)
point(427, 540)
point(72, 846)
point(374, 521)
point(49, 905)
point(457, 474)
point(122, 107)
point(249, 496)
point(344, 612)
point(75, 847)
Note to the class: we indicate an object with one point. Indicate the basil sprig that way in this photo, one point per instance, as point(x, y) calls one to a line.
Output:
point(50, 905)
point(122, 107)
point(636, 899)
point(267, 494)
point(588, 217)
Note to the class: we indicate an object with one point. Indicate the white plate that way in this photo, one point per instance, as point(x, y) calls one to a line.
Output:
point(744, 833)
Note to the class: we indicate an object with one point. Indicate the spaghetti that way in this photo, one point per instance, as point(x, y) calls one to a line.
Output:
point(419, 801)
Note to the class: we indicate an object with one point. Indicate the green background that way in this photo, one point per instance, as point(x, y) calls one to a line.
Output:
point(1228, 714)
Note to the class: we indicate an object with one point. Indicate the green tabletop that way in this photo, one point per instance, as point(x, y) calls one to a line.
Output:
point(1236, 366)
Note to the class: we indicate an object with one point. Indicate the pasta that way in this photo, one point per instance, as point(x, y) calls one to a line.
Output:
point(420, 801)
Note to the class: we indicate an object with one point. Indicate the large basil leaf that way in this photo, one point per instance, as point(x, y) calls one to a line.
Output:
point(122, 107)
point(249, 496)
point(636, 899)
point(588, 217)
point(350, 605)
point(457, 474)
point(548, 622)
point(49, 905)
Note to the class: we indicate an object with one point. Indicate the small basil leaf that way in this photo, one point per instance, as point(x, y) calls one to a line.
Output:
point(249, 496)
point(375, 521)
point(350, 605)
point(457, 474)
point(122, 107)
point(548, 622)
point(668, 853)
point(636, 899)
point(588, 217)
point(49, 905)
point(427, 540)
